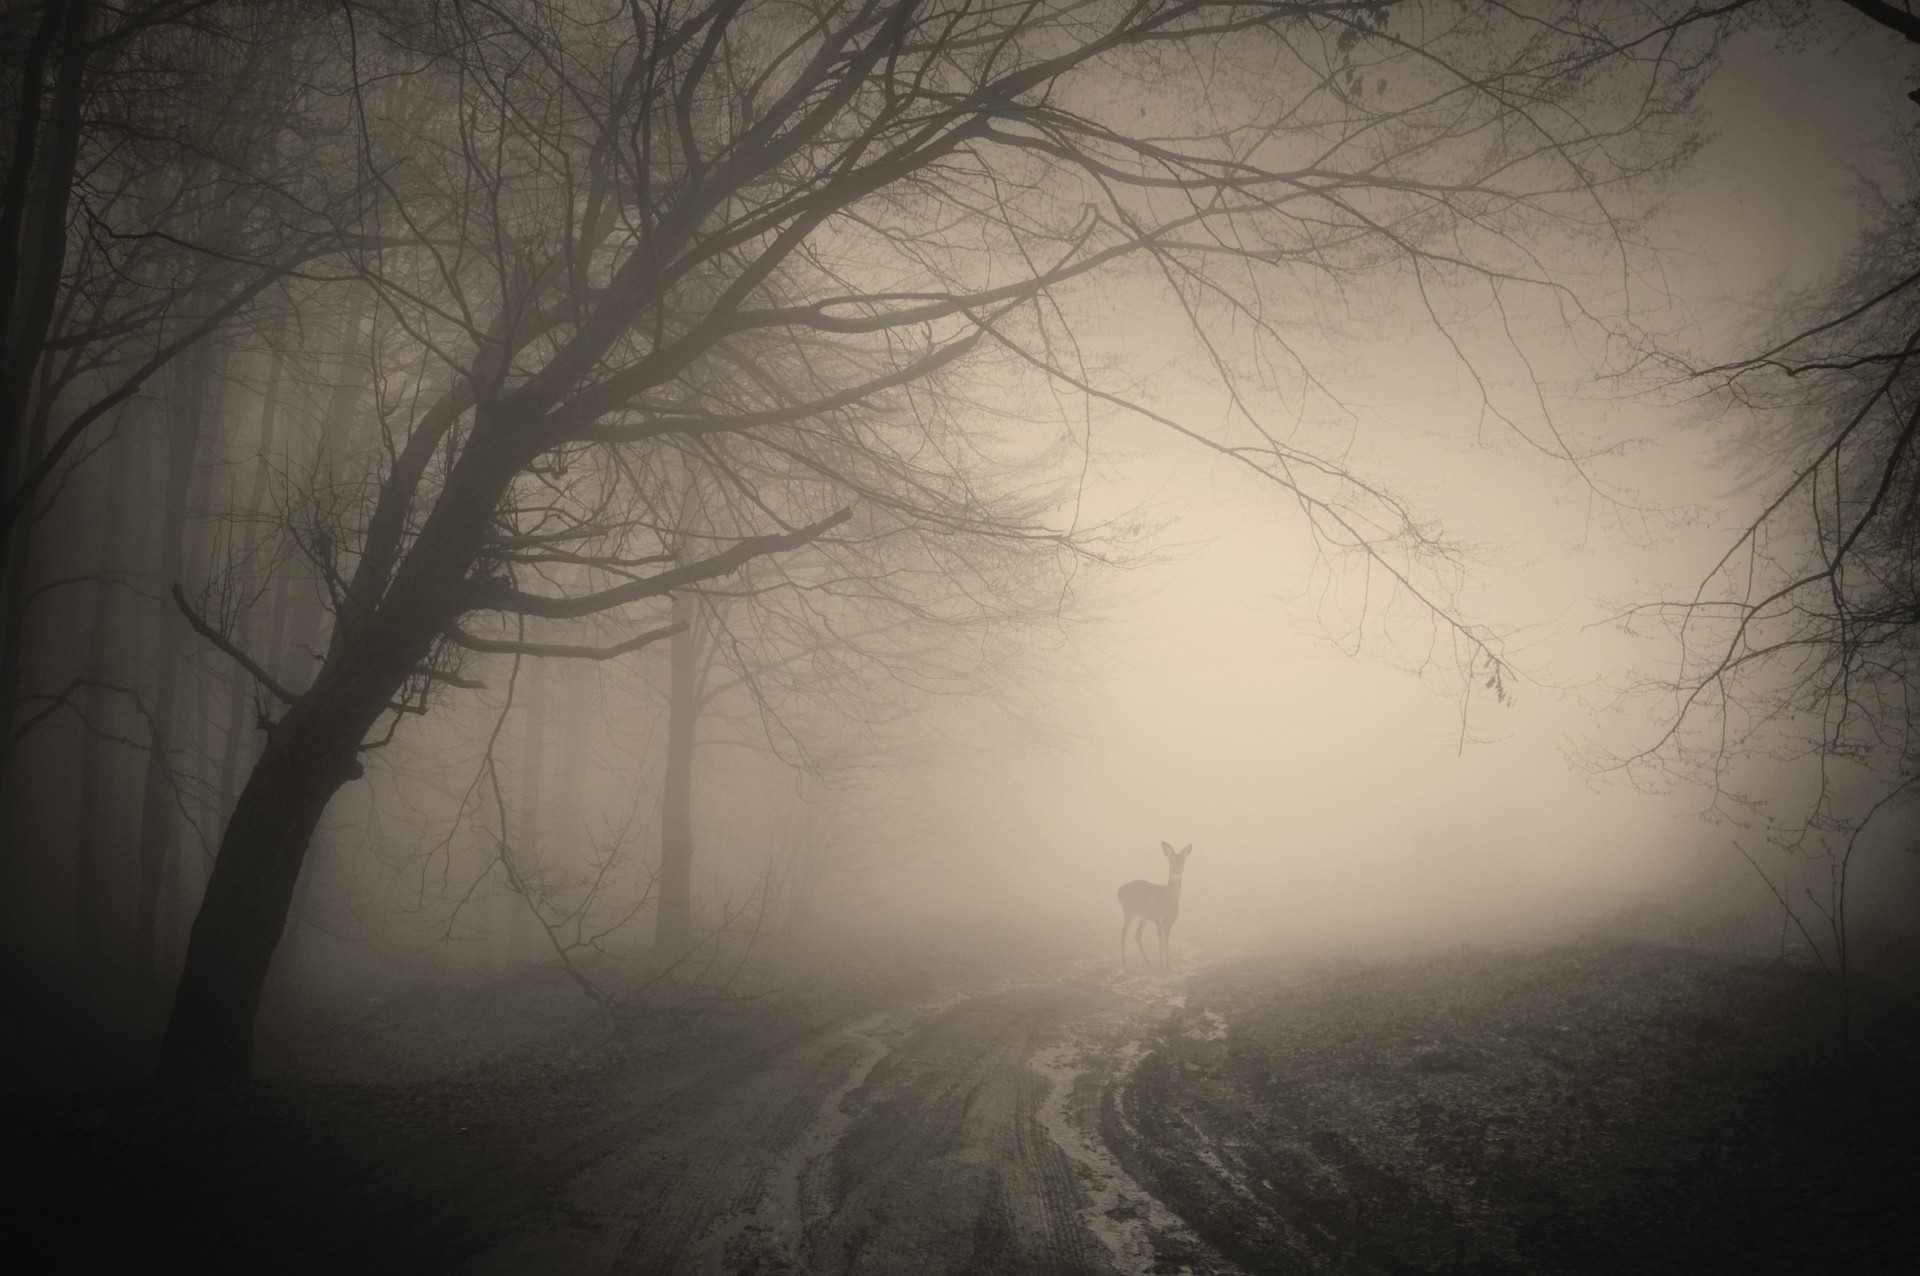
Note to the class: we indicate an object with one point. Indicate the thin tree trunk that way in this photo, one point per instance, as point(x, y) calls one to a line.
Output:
point(237, 680)
point(304, 608)
point(159, 827)
point(192, 731)
point(527, 840)
point(273, 651)
point(89, 852)
point(673, 930)
point(576, 701)
point(306, 624)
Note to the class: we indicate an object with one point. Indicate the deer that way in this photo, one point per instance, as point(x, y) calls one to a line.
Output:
point(1145, 902)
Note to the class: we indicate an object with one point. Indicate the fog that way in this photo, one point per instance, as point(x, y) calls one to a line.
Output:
point(1331, 795)
point(578, 545)
point(1231, 684)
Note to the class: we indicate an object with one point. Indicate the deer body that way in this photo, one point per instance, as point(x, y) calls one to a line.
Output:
point(1142, 902)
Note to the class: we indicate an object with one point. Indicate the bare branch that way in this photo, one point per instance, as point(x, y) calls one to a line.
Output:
point(563, 651)
point(491, 596)
point(253, 667)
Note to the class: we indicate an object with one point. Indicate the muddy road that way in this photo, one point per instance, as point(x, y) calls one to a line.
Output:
point(961, 1133)
point(1574, 1109)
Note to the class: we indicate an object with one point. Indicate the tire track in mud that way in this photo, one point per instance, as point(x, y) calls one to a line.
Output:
point(700, 1171)
point(961, 1134)
point(723, 1172)
point(1086, 1074)
point(638, 1191)
point(979, 1147)
point(944, 1166)
point(767, 1233)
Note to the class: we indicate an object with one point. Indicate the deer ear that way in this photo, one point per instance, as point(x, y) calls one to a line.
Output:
point(1188, 851)
point(1168, 848)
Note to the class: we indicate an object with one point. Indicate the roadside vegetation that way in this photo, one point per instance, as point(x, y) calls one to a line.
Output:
point(1606, 1108)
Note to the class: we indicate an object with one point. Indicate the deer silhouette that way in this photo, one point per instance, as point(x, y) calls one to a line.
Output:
point(1144, 902)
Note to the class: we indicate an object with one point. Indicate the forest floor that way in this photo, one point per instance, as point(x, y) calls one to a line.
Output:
point(1002, 1107)
point(1578, 1109)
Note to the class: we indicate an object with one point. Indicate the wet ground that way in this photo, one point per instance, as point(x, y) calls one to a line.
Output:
point(1570, 1110)
point(1580, 1109)
point(951, 1130)
point(957, 1134)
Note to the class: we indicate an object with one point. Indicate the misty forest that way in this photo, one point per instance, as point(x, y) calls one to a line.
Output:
point(901, 636)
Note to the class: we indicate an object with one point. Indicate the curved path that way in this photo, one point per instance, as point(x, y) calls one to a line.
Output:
point(961, 1134)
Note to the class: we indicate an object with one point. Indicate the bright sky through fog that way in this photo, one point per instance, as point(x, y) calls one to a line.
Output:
point(1319, 788)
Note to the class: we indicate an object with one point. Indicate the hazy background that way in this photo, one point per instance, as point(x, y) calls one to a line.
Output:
point(1231, 690)
point(1328, 794)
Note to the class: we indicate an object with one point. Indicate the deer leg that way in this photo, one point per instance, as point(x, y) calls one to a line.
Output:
point(1165, 929)
point(1126, 919)
point(1140, 938)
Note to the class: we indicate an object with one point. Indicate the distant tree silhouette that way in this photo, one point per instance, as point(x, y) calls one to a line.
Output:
point(809, 254)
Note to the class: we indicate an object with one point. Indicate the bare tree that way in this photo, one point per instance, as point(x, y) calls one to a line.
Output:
point(153, 198)
point(1792, 695)
point(931, 574)
point(572, 217)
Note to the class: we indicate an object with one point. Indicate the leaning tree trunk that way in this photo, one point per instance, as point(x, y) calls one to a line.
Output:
point(385, 628)
point(310, 753)
point(673, 929)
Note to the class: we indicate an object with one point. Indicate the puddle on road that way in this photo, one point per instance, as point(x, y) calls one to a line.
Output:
point(1142, 1236)
point(1123, 1215)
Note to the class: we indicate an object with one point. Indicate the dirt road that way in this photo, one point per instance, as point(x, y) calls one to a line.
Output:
point(960, 1134)
point(1566, 1110)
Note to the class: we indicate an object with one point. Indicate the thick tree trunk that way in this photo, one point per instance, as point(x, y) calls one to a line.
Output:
point(38, 187)
point(13, 627)
point(309, 756)
point(292, 956)
point(673, 929)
